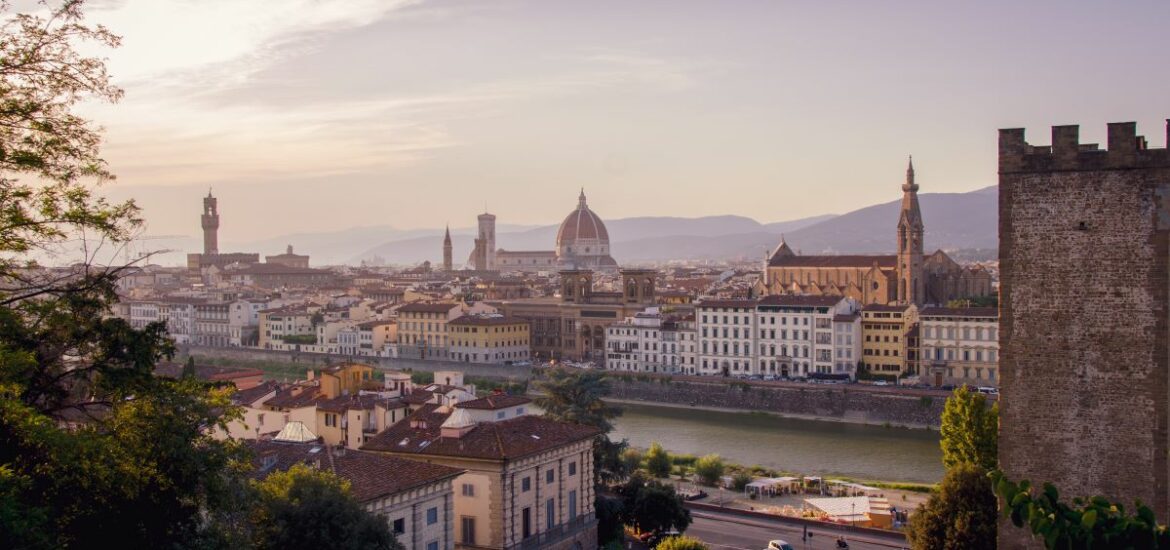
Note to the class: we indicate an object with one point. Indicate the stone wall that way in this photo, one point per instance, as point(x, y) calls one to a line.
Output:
point(1083, 319)
point(318, 360)
point(847, 403)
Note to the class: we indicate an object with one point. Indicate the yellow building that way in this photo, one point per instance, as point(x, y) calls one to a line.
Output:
point(345, 379)
point(885, 333)
point(490, 338)
point(422, 329)
point(528, 480)
point(278, 323)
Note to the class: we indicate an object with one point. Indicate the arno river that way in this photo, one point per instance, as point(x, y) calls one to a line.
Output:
point(810, 447)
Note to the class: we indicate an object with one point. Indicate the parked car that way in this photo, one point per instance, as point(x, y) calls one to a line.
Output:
point(881, 383)
point(769, 377)
point(779, 545)
point(987, 390)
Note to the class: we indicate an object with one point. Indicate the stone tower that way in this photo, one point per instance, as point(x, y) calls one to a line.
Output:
point(911, 284)
point(447, 263)
point(1084, 235)
point(485, 245)
point(210, 221)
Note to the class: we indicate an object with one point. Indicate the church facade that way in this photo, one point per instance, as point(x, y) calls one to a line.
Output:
point(906, 277)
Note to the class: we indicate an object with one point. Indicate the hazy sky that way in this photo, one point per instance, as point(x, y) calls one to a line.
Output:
point(309, 115)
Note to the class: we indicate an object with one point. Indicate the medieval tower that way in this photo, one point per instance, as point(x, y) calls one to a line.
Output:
point(484, 258)
point(911, 283)
point(447, 263)
point(1084, 247)
point(210, 221)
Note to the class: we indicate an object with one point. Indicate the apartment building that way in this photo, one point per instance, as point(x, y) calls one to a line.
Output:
point(781, 336)
point(423, 331)
point(960, 345)
point(886, 332)
point(489, 338)
point(276, 324)
point(652, 341)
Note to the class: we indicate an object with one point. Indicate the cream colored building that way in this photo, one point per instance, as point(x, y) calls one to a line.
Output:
point(277, 323)
point(528, 480)
point(960, 346)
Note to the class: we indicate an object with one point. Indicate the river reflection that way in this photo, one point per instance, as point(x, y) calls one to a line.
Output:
point(804, 446)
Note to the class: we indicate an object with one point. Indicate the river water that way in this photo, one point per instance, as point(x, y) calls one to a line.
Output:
point(811, 447)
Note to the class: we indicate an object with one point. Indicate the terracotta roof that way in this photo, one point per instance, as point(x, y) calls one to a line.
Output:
point(846, 318)
point(286, 399)
point(884, 307)
point(375, 324)
point(834, 261)
point(494, 402)
point(961, 312)
point(726, 303)
point(581, 223)
point(424, 394)
point(428, 307)
point(250, 395)
point(800, 301)
point(487, 320)
point(419, 434)
point(371, 475)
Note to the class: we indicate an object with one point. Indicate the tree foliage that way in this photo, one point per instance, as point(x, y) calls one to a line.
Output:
point(1085, 524)
point(682, 543)
point(960, 516)
point(969, 430)
point(307, 508)
point(575, 395)
point(652, 506)
point(657, 460)
point(709, 469)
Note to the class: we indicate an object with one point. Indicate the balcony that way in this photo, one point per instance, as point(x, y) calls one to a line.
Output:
point(558, 533)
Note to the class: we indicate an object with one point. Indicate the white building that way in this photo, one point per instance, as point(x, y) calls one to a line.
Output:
point(652, 341)
point(779, 336)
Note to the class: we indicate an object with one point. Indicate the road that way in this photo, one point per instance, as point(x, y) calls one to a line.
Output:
point(730, 532)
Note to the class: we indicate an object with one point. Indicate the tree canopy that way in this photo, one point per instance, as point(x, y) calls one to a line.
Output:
point(969, 433)
point(657, 460)
point(652, 506)
point(960, 516)
point(575, 395)
point(709, 469)
point(682, 543)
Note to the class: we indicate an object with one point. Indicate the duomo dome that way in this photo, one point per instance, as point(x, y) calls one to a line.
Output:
point(582, 240)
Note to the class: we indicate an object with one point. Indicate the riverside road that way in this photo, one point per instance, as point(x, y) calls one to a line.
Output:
point(732, 532)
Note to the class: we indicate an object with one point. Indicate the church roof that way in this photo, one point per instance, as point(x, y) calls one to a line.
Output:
point(858, 261)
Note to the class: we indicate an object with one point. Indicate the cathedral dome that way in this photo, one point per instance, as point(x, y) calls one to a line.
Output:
point(583, 227)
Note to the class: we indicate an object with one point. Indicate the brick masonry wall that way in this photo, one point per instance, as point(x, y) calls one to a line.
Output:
point(833, 402)
point(1083, 319)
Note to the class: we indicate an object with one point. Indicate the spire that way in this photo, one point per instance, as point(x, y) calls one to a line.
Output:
point(581, 199)
point(910, 185)
point(447, 237)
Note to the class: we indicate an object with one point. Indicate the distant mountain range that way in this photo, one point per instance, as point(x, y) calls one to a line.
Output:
point(954, 221)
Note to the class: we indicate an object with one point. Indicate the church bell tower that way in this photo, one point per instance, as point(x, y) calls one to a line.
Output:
point(210, 221)
point(911, 283)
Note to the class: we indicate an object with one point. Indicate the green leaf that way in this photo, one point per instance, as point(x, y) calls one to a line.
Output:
point(1089, 518)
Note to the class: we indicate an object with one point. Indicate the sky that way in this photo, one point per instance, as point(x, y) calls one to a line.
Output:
point(317, 115)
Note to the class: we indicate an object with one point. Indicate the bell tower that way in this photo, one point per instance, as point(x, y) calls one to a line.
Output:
point(911, 285)
point(447, 263)
point(210, 221)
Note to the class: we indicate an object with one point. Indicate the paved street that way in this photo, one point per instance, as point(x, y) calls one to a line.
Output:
point(729, 532)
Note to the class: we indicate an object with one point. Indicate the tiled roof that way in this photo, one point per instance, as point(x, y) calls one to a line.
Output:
point(960, 312)
point(857, 261)
point(884, 308)
point(286, 399)
point(371, 475)
point(419, 434)
point(726, 303)
point(800, 301)
point(487, 320)
point(250, 395)
point(494, 402)
point(366, 402)
point(428, 307)
point(422, 395)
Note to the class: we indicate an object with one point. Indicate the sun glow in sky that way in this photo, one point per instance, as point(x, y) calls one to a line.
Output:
point(310, 115)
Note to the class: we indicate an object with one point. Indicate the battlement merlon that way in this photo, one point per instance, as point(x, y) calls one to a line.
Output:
point(1125, 150)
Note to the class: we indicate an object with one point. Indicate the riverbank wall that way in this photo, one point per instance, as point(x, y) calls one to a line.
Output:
point(317, 360)
point(842, 403)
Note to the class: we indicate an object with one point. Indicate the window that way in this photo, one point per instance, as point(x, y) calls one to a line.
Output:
point(500, 415)
point(399, 526)
point(573, 468)
point(526, 523)
point(549, 476)
point(468, 528)
point(432, 516)
point(525, 485)
point(468, 490)
point(550, 518)
point(573, 504)
point(433, 545)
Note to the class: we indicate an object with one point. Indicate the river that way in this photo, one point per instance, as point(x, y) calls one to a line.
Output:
point(811, 447)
